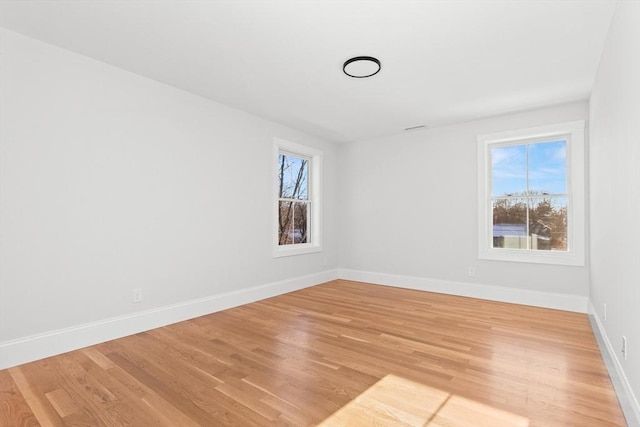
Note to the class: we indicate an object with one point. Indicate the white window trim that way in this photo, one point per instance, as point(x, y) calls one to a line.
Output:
point(315, 197)
point(575, 254)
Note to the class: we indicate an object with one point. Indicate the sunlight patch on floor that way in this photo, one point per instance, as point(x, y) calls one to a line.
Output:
point(395, 401)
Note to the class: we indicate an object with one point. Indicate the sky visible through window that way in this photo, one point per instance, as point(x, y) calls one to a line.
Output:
point(536, 168)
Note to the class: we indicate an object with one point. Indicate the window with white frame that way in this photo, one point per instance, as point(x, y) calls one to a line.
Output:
point(531, 195)
point(297, 201)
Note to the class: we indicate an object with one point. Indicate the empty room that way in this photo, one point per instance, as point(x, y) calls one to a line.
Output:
point(333, 213)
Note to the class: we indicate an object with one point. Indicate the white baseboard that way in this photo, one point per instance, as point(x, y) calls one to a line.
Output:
point(576, 303)
point(35, 347)
point(628, 402)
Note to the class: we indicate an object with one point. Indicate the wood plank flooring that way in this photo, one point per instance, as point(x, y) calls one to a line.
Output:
point(341, 353)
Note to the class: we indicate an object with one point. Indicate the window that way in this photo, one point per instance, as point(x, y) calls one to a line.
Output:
point(531, 195)
point(294, 205)
point(297, 207)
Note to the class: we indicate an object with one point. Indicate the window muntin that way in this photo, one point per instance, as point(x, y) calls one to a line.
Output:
point(532, 208)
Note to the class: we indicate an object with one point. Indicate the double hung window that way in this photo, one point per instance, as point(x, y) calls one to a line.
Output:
point(531, 195)
point(297, 199)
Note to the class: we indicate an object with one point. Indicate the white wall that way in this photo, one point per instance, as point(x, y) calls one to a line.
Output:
point(409, 208)
point(615, 191)
point(111, 181)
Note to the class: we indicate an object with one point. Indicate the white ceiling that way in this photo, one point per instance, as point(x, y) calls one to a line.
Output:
point(442, 61)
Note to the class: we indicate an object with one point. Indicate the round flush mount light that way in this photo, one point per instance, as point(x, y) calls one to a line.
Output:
point(360, 67)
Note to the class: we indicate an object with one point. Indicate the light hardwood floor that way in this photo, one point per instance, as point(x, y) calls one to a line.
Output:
point(338, 354)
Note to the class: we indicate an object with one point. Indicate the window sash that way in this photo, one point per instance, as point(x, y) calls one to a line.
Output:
point(309, 185)
point(560, 237)
point(292, 222)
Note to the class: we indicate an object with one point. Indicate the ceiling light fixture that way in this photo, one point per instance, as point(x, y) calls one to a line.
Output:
point(360, 67)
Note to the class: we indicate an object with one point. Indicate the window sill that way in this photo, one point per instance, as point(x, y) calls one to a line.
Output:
point(291, 250)
point(534, 257)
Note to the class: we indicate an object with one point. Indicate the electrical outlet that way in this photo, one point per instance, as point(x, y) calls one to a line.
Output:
point(137, 295)
point(604, 311)
point(624, 347)
point(472, 272)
